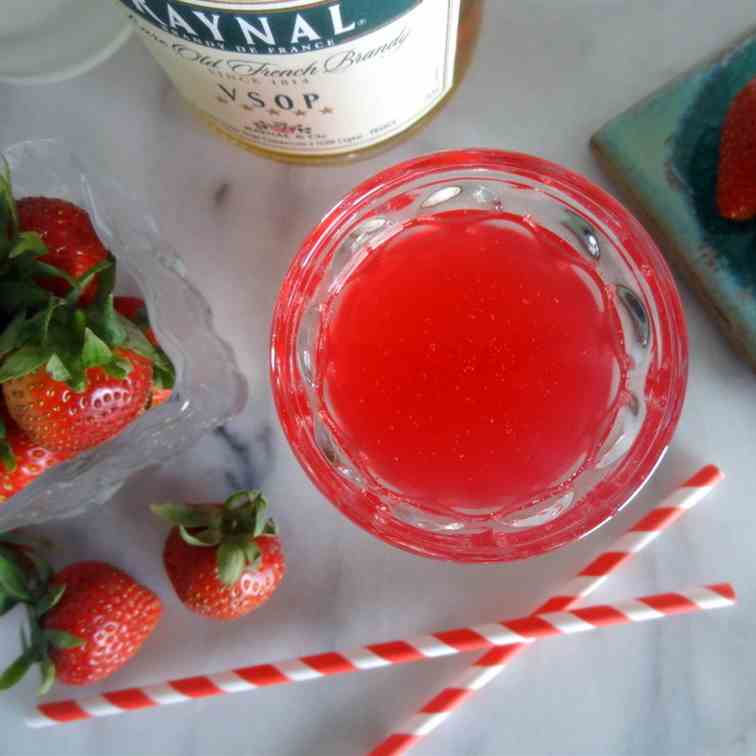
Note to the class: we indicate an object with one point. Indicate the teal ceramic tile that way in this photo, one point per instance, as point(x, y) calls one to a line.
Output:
point(665, 151)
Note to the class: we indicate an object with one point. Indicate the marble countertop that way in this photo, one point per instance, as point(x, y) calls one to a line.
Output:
point(546, 75)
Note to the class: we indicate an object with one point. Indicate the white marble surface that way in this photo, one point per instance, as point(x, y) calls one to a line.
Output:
point(546, 75)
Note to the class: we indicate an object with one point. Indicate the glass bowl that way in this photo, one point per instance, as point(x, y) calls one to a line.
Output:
point(209, 388)
point(598, 230)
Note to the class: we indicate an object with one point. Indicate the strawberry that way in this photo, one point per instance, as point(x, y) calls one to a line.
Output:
point(736, 179)
point(223, 560)
point(21, 460)
point(109, 611)
point(73, 376)
point(72, 243)
point(85, 622)
point(62, 420)
point(134, 309)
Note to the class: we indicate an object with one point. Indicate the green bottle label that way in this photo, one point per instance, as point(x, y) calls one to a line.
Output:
point(270, 30)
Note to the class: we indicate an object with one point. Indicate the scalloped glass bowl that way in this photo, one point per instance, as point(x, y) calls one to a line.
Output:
point(209, 387)
point(600, 231)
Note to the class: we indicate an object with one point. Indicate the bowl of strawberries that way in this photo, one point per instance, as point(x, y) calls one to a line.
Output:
point(109, 361)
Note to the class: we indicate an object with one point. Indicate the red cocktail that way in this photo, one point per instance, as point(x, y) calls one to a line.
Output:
point(479, 356)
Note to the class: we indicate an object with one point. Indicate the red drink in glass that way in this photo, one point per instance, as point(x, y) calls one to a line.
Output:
point(479, 356)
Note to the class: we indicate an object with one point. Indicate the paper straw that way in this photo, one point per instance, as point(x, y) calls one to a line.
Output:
point(445, 643)
point(492, 663)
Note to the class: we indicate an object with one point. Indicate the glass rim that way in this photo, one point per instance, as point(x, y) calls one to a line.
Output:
point(622, 483)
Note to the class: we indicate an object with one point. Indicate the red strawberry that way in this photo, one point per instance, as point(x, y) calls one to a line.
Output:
point(21, 460)
point(224, 560)
point(63, 420)
point(134, 309)
point(72, 243)
point(85, 622)
point(736, 181)
point(109, 611)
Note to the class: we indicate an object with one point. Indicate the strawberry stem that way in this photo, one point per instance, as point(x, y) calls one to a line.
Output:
point(232, 528)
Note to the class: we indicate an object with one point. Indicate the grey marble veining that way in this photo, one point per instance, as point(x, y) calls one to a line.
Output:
point(546, 75)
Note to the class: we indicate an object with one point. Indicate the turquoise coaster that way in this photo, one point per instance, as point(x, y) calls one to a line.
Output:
point(665, 151)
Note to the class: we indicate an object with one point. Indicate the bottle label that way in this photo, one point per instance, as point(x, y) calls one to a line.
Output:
point(306, 78)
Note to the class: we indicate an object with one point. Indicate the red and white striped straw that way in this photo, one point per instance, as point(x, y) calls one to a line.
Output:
point(446, 643)
point(492, 663)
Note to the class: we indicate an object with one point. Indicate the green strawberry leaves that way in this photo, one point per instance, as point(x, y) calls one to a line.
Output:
point(24, 361)
point(47, 675)
point(50, 599)
point(43, 572)
point(13, 579)
point(95, 352)
point(59, 639)
point(12, 336)
point(253, 554)
point(57, 369)
point(163, 373)
point(43, 269)
point(209, 537)
point(261, 520)
point(7, 457)
point(24, 574)
point(19, 295)
point(62, 639)
point(106, 323)
point(237, 501)
point(23, 330)
point(36, 643)
point(136, 341)
point(25, 578)
point(81, 283)
point(232, 528)
point(68, 343)
point(231, 562)
point(188, 517)
point(30, 242)
point(118, 368)
point(16, 671)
